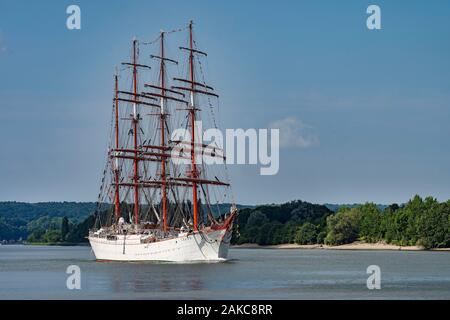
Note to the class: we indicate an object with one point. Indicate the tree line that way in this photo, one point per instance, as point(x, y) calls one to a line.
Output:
point(40, 222)
point(423, 222)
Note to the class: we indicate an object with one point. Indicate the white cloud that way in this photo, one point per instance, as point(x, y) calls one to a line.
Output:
point(294, 133)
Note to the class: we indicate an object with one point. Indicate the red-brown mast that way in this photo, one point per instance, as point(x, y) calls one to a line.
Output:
point(194, 175)
point(163, 143)
point(135, 128)
point(117, 195)
point(192, 114)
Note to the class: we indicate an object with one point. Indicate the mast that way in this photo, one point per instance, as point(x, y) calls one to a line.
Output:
point(116, 169)
point(163, 143)
point(194, 174)
point(137, 151)
point(135, 128)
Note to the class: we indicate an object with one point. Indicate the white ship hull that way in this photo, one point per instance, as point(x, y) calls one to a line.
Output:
point(199, 246)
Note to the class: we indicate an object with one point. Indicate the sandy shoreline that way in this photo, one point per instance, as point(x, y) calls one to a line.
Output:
point(359, 245)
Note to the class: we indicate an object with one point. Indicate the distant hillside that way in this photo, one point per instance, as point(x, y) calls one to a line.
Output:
point(423, 222)
point(29, 211)
point(419, 222)
point(275, 224)
point(336, 207)
point(20, 219)
point(220, 209)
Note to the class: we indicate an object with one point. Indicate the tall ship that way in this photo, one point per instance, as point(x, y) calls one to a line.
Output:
point(160, 200)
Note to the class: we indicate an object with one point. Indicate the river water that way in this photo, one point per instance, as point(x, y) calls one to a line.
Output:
point(39, 272)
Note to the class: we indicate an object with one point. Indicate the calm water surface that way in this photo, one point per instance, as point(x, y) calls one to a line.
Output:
point(38, 272)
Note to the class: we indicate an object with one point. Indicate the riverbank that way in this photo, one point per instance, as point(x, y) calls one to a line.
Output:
point(64, 244)
point(358, 245)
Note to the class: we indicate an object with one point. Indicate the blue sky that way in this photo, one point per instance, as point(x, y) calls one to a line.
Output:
point(377, 102)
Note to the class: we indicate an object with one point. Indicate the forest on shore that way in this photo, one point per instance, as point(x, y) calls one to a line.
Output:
point(423, 222)
point(41, 222)
point(63, 223)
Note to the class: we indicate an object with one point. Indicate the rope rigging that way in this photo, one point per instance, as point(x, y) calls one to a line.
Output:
point(149, 171)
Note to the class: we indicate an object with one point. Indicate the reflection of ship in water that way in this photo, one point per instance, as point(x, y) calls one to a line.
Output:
point(142, 281)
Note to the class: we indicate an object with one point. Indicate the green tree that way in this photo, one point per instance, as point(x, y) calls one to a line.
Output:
point(52, 236)
point(257, 218)
point(433, 225)
point(35, 236)
point(371, 227)
point(263, 234)
point(306, 234)
point(64, 228)
point(321, 237)
point(343, 227)
point(80, 231)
